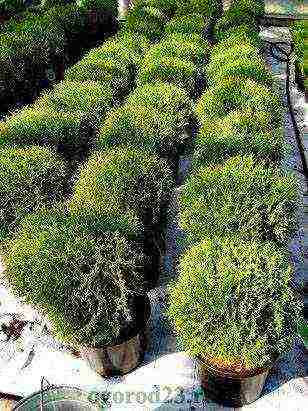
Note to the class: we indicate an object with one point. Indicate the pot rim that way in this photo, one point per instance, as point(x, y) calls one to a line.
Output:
point(147, 315)
point(233, 374)
point(23, 400)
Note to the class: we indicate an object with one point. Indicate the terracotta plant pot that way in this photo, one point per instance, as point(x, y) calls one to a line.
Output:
point(232, 389)
point(124, 357)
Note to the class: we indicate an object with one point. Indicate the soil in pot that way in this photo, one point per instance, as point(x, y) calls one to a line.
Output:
point(128, 351)
point(230, 388)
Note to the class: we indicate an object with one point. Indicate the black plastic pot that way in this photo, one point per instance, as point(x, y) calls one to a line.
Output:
point(127, 354)
point(173, 162)
point(76, 152)
point(100, 22)
point(154, 241)
point(151, 249)
point(232, 389)
point(209, 30)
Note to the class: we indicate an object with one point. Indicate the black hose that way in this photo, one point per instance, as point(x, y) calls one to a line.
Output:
point(286, 59)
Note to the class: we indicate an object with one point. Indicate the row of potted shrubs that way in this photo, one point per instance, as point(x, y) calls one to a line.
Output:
point(83, 263)
point(62, 117)
point(232, 305)
point(66, 119)
point(18, 8)
point(35, 50)
point(66, 116)
point(12, 8)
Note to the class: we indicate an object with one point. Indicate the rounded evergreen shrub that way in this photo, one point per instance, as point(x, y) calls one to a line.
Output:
point(233, 18)
point(208, 8)
point(164, 97)
point(29, 178)
point(88, 98)
point(26, 49)
point(145, 128)
point(121, 180)
point(38, 125)
point(238, 94)
point(242, 196)
point(255, 8)
point(82, 282)
point(232, 305)
point(111, 49)
point(222, 56)
point(11, 75)
point(12, 6)
point(126, 224)
point(170, 69)
point(137, 42)
point(71, 18)
point(188, 24)
point(38, 36)
point(195, 39)
point(238, 35)
point(128, 48)
point(146, 20)
point(238, 133)
point(108, 71)
point(180, 46)
point(167, 7)
point(300, 41)
point(106, 5)
point(242, 68)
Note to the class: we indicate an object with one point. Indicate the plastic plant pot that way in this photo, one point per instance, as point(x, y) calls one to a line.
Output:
point(232, 389)
point(154, 246)
point(61, 398)
point(125, 356)
point(100, 21)
point(154, 242)
point(93, 21)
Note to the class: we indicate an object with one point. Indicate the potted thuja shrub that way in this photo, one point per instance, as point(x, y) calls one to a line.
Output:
point(83, 273)
point(124, 180)
point(233, 309)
